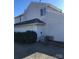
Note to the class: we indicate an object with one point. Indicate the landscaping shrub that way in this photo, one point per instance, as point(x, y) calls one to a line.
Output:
point(25, 37)
point(32, 36)
point(18, 37)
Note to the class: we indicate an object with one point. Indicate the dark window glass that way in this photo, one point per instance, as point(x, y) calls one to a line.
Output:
point(42, 11)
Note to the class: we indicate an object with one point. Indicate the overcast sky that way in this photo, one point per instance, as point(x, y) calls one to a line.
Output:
point(21, 5)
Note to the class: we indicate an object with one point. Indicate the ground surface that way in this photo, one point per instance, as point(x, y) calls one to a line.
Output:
point(24, 50)
point(38, 55)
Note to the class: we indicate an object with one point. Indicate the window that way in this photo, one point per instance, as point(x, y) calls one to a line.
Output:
point(42, 11)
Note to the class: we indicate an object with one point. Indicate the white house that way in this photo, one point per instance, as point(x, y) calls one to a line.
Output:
point(43, 18)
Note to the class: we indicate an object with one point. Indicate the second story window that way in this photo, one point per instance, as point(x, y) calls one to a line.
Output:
point(43, 11)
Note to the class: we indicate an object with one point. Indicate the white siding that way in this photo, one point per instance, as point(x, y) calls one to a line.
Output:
point(23, 28)
point(33, 11)
point(54, 22)
point(36, 28)
point(17, 20)
point(54, 25)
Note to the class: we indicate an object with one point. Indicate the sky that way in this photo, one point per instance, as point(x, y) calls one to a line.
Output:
point(21, 5)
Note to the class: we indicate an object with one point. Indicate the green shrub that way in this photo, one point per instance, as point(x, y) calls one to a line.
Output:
point(25, 37)
point(18, 37)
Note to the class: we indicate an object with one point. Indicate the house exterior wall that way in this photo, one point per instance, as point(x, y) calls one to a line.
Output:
point(54, 26)
point(54, 22)
point(17, 20)
point(30, 27)
point(25, 27)
point(33, 11)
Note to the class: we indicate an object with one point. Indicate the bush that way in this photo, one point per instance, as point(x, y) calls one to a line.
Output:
point(31, 37)
point(18, 37)
point(25, 37)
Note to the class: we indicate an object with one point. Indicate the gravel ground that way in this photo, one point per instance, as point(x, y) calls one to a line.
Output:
point(23, 50)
